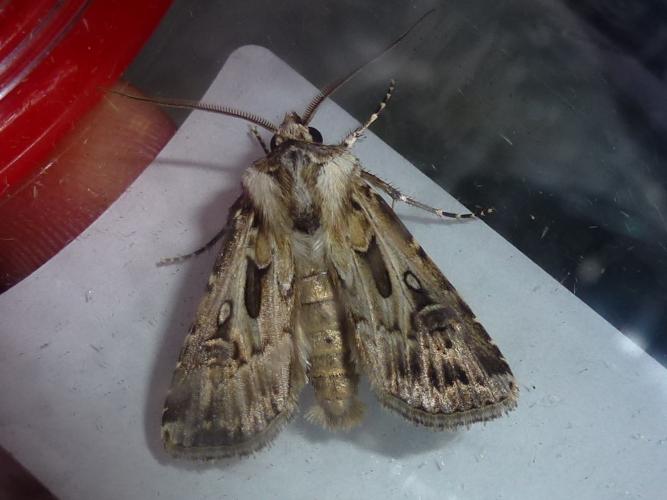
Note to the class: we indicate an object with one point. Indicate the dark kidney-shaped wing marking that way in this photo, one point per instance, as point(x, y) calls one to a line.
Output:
point(238, 377)
point(427, 356)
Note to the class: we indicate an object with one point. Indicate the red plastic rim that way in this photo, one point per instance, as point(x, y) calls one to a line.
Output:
point(54, 57)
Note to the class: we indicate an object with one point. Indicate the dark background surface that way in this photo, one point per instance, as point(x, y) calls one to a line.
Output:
point(554, 113)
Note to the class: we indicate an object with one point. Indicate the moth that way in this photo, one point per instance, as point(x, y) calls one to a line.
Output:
point(319, 281)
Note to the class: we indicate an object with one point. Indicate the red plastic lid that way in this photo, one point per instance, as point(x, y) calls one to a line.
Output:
point(54, 56)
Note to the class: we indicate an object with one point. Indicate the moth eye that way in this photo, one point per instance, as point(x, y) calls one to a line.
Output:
point(273, 143)
point(315, 134)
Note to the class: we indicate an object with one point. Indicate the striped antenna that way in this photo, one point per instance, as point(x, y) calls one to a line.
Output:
point(202, 106)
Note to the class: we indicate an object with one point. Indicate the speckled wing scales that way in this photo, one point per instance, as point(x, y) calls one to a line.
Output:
point(426, 355)
point(238, 378)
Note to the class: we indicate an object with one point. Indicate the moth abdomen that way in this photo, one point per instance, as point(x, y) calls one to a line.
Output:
point(331, 371)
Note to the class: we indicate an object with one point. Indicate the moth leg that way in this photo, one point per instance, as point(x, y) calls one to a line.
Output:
point(255, 132)
point(395, 195)
point(181, 258)
point(356, 134)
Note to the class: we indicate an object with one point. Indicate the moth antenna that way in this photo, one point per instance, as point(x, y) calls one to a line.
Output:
point(201, 106)
point(311, 109)
point(353, 136)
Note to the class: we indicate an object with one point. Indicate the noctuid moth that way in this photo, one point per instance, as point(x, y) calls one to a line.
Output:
point(319, 281)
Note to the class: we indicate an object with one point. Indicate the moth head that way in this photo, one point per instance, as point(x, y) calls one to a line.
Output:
point(294, 129)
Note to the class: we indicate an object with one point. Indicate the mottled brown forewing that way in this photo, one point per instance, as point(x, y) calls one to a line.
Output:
point(236, 381)
point(427, 356)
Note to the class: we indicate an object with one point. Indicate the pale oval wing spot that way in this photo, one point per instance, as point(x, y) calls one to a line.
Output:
point(225, 311)
point(412, 281)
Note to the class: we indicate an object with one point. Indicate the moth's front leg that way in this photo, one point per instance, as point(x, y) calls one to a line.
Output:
point(255, 132)
point(396, 195)
point(167, 261)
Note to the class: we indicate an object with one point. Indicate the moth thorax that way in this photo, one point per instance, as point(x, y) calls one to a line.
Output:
point(303, 195)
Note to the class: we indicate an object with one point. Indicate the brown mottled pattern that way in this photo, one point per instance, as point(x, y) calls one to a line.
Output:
point(426, 355)
point(319, 279)
point(236, 383)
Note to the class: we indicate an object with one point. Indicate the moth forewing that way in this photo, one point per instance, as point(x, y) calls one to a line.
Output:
point(234, 385)
point(426, 354)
